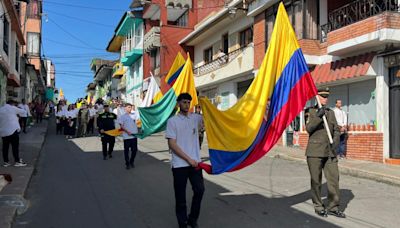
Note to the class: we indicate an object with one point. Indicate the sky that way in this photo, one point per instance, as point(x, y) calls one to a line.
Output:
point(75, 32)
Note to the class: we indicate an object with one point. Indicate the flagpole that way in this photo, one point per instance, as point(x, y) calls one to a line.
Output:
point(325, 122)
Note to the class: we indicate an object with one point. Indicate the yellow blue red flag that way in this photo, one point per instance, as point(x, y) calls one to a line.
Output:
point(241, 135)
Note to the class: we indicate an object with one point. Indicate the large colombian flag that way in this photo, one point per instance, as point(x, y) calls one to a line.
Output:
point(154, 118)
point(246, 132)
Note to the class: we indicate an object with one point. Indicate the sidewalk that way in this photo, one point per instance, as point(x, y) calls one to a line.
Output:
point(380, 172)
point(12, 199)
point(389, 174)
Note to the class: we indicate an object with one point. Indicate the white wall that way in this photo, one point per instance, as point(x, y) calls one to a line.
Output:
point(358, 100)
point(237, 24)
point(382, 103)
point(323, 12)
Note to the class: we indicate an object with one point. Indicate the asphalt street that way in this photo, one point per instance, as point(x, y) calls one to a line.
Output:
point(74, 187)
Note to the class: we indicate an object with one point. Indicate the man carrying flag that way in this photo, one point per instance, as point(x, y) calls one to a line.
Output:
point(105, 123)
point(321, 155)
point(183, 141)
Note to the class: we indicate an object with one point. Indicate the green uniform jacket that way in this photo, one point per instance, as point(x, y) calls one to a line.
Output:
point(318, 142)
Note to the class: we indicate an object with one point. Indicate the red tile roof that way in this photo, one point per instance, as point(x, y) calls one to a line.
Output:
point(356, 66)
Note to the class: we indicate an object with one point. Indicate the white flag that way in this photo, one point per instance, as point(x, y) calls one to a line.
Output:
point(152, 90)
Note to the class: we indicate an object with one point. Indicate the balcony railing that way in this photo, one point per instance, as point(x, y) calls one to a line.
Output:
point(152, 39)
point(354, 12)
point(218, 63)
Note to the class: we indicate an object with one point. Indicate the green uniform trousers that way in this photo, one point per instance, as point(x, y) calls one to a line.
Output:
point(330, 167)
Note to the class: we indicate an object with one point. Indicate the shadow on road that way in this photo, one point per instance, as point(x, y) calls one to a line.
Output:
point(77, 189)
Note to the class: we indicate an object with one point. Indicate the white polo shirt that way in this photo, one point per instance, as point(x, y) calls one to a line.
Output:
point(9, 122)
point(26, 108)
point(185, 129)
point(128, 122)
point(341, 117)
point(92, 112)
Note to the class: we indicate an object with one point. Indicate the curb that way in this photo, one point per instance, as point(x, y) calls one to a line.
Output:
point(391, 180)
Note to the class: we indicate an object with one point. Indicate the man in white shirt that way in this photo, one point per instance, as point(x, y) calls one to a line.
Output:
point(119, 110)
point(127, 122)
point(25, 116)
point(92, 116)
point(9, 131)
point(341, 119)
point(183, 140)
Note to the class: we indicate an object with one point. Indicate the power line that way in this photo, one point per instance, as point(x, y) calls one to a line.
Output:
point(83, 6)
point(80, 19)
point(78, 57)
point(72, 45)
point(70, 34)
point(89, 54)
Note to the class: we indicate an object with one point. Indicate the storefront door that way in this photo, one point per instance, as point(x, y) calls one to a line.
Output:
point(394, 110)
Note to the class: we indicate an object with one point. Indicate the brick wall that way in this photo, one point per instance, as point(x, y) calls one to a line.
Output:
point(372, 24)
point(309, 47)
point(259, 39)
point(360, 146)
point(169, 38)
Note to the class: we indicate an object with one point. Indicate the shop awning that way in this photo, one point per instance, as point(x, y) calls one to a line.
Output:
point(348, 68)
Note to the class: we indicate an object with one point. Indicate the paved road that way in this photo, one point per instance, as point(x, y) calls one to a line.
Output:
point(74, 187)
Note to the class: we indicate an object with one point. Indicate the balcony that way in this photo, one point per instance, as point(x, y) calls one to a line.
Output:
point(131, 50)
point(239, 61)
point(362, 22)
point(118, 70)
point(152, 39)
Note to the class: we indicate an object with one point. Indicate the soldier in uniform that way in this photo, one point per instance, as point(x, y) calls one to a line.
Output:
point(321, 155)
point(105, 122)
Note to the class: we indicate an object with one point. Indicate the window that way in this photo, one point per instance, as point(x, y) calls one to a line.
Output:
point(155, 58)
point(246, 37)
point(208, 54)
point(34, 9)
point(225, 43)
point(303, 16)
point(182, 21)
point(6, 34)
point(33, 44)
point(242, 87)
point(17, 57)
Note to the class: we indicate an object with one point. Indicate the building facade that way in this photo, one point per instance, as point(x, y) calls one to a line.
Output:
point(128, 41)
point(350, 47)
point(223, 55)
point(31, 21)
point(10, 51)
point(166, 23)
point(105, 86)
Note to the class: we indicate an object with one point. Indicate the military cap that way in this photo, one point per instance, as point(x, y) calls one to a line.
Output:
point(324, 92)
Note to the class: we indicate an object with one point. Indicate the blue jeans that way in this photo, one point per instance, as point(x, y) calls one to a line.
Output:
point(341, 150)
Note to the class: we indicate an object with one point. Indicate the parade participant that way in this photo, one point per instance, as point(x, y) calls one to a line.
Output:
point(92, 116)
point(59, 119)
point(83, 120)
point(321, 155)
point(128, 124)
point(183, 141)
point(105, 122)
